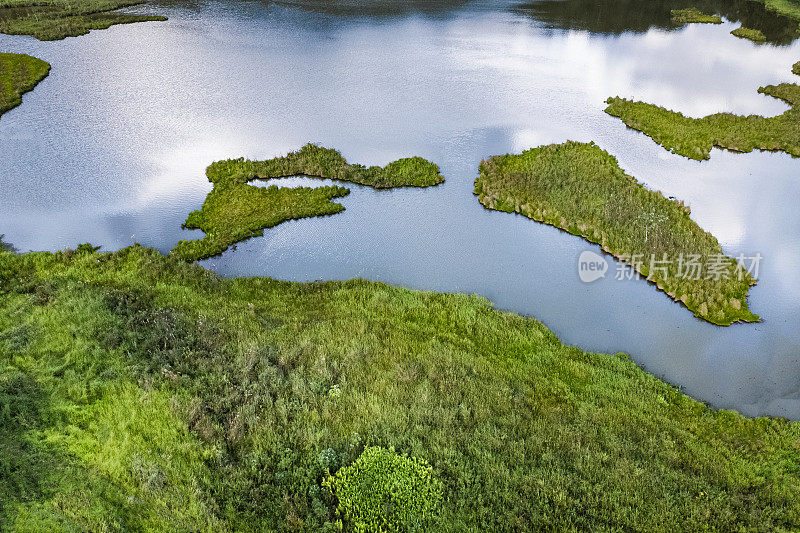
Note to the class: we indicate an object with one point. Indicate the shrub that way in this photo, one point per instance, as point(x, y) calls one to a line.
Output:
point(384, 491)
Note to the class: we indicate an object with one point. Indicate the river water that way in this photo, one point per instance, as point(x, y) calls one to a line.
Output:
point(111, 149)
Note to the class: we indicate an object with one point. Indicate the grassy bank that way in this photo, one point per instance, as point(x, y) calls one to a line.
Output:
point(693, 15)
point(695, 137)
point(750, 34)
point(50, 20)
point(145, 393)
point(581, 189)
point(19, 74)
point(234, 211)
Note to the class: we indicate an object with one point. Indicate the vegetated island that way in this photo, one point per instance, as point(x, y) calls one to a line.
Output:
point(19, 74)
point(692, 15)
point(144, 393)
point(235, 211)
point(580, 188)
point(757, 36)
point(695, 137)
point(51, 20)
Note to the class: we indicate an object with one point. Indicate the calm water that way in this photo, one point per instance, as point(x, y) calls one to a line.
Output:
point(112, 147)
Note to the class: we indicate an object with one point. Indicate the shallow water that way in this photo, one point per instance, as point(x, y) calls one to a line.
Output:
point(111, 148)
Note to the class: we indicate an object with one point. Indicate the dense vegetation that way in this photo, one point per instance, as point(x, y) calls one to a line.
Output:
point(750, 34)
point(581, 189)
point(234, 211)
point(50, 20)
point(695, 137)
point(140, 392)
point(693, 15)
point(19, 74)
point(384, 491)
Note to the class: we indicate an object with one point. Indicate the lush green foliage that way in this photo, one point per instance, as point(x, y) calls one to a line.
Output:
point(384, 491)
point(695, 137)
point(796, 68)
point(19, 74)
point(234, 211)
point(145, 393)
point(50, 20)
point(693, 15)
point(750, 34)
point(580, 188)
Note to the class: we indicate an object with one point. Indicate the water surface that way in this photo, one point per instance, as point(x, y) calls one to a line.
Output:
point(111, 148)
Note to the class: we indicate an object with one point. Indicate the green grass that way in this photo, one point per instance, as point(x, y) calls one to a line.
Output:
point(19, 74)
point(50, 20)
point(693, 15)
point(234, 211)
point(581, 189)
point(750, 34)
point(788, 8)
point(796, 68)
point(140, 392)
point(695, 137)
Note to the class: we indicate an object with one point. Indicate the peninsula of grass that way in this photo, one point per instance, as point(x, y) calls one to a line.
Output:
point(50, 20)
point(19, 74)
point(235, 211)
point(581, 189)
point(694, 16)
point(142, 393)
point(757, 36)
point(695, 137)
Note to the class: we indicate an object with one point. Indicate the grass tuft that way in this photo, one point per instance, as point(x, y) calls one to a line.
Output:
point(693, 15)
point(235, 211)
point(51, 20)
point(757, 36)
point(581, 189)
point(695, 137)
point(19, 74)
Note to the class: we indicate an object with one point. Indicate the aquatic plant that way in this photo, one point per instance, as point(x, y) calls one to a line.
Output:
point(750, 34)
point(19, 74)
point(695, 137)
point(581, 189)
point(142, 393)
point(692, 15)
point(234, 211)
point(384, 491)
point(50, 20)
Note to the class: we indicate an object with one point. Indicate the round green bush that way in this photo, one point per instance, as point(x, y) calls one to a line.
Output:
point(383, 491)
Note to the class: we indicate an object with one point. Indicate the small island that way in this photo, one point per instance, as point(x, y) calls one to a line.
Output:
point(581, 189)
point(757, 36)
point(235, 211)
point(19, 74)
point(52, 20)
point(693, 15)
point(695, 137)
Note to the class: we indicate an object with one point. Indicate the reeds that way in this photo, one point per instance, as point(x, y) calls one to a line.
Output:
point(581, 189)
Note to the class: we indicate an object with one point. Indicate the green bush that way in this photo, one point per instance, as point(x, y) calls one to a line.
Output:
point(384, 491)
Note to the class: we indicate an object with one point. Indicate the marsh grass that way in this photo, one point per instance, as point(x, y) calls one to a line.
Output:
point(50, 20)
point(19, 74)
point(139, 392)
point(234, 211)
point(695, 137)
point(693, 15)
point(581, 189)
point(750, 34)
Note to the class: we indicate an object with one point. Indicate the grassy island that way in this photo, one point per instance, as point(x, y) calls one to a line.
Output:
point(19, 74)
point(234, 211)
point(757, 36)
point(581, 189)
point(142, 393)
point(51, 20)
point(695, 137)
point(694, 16)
